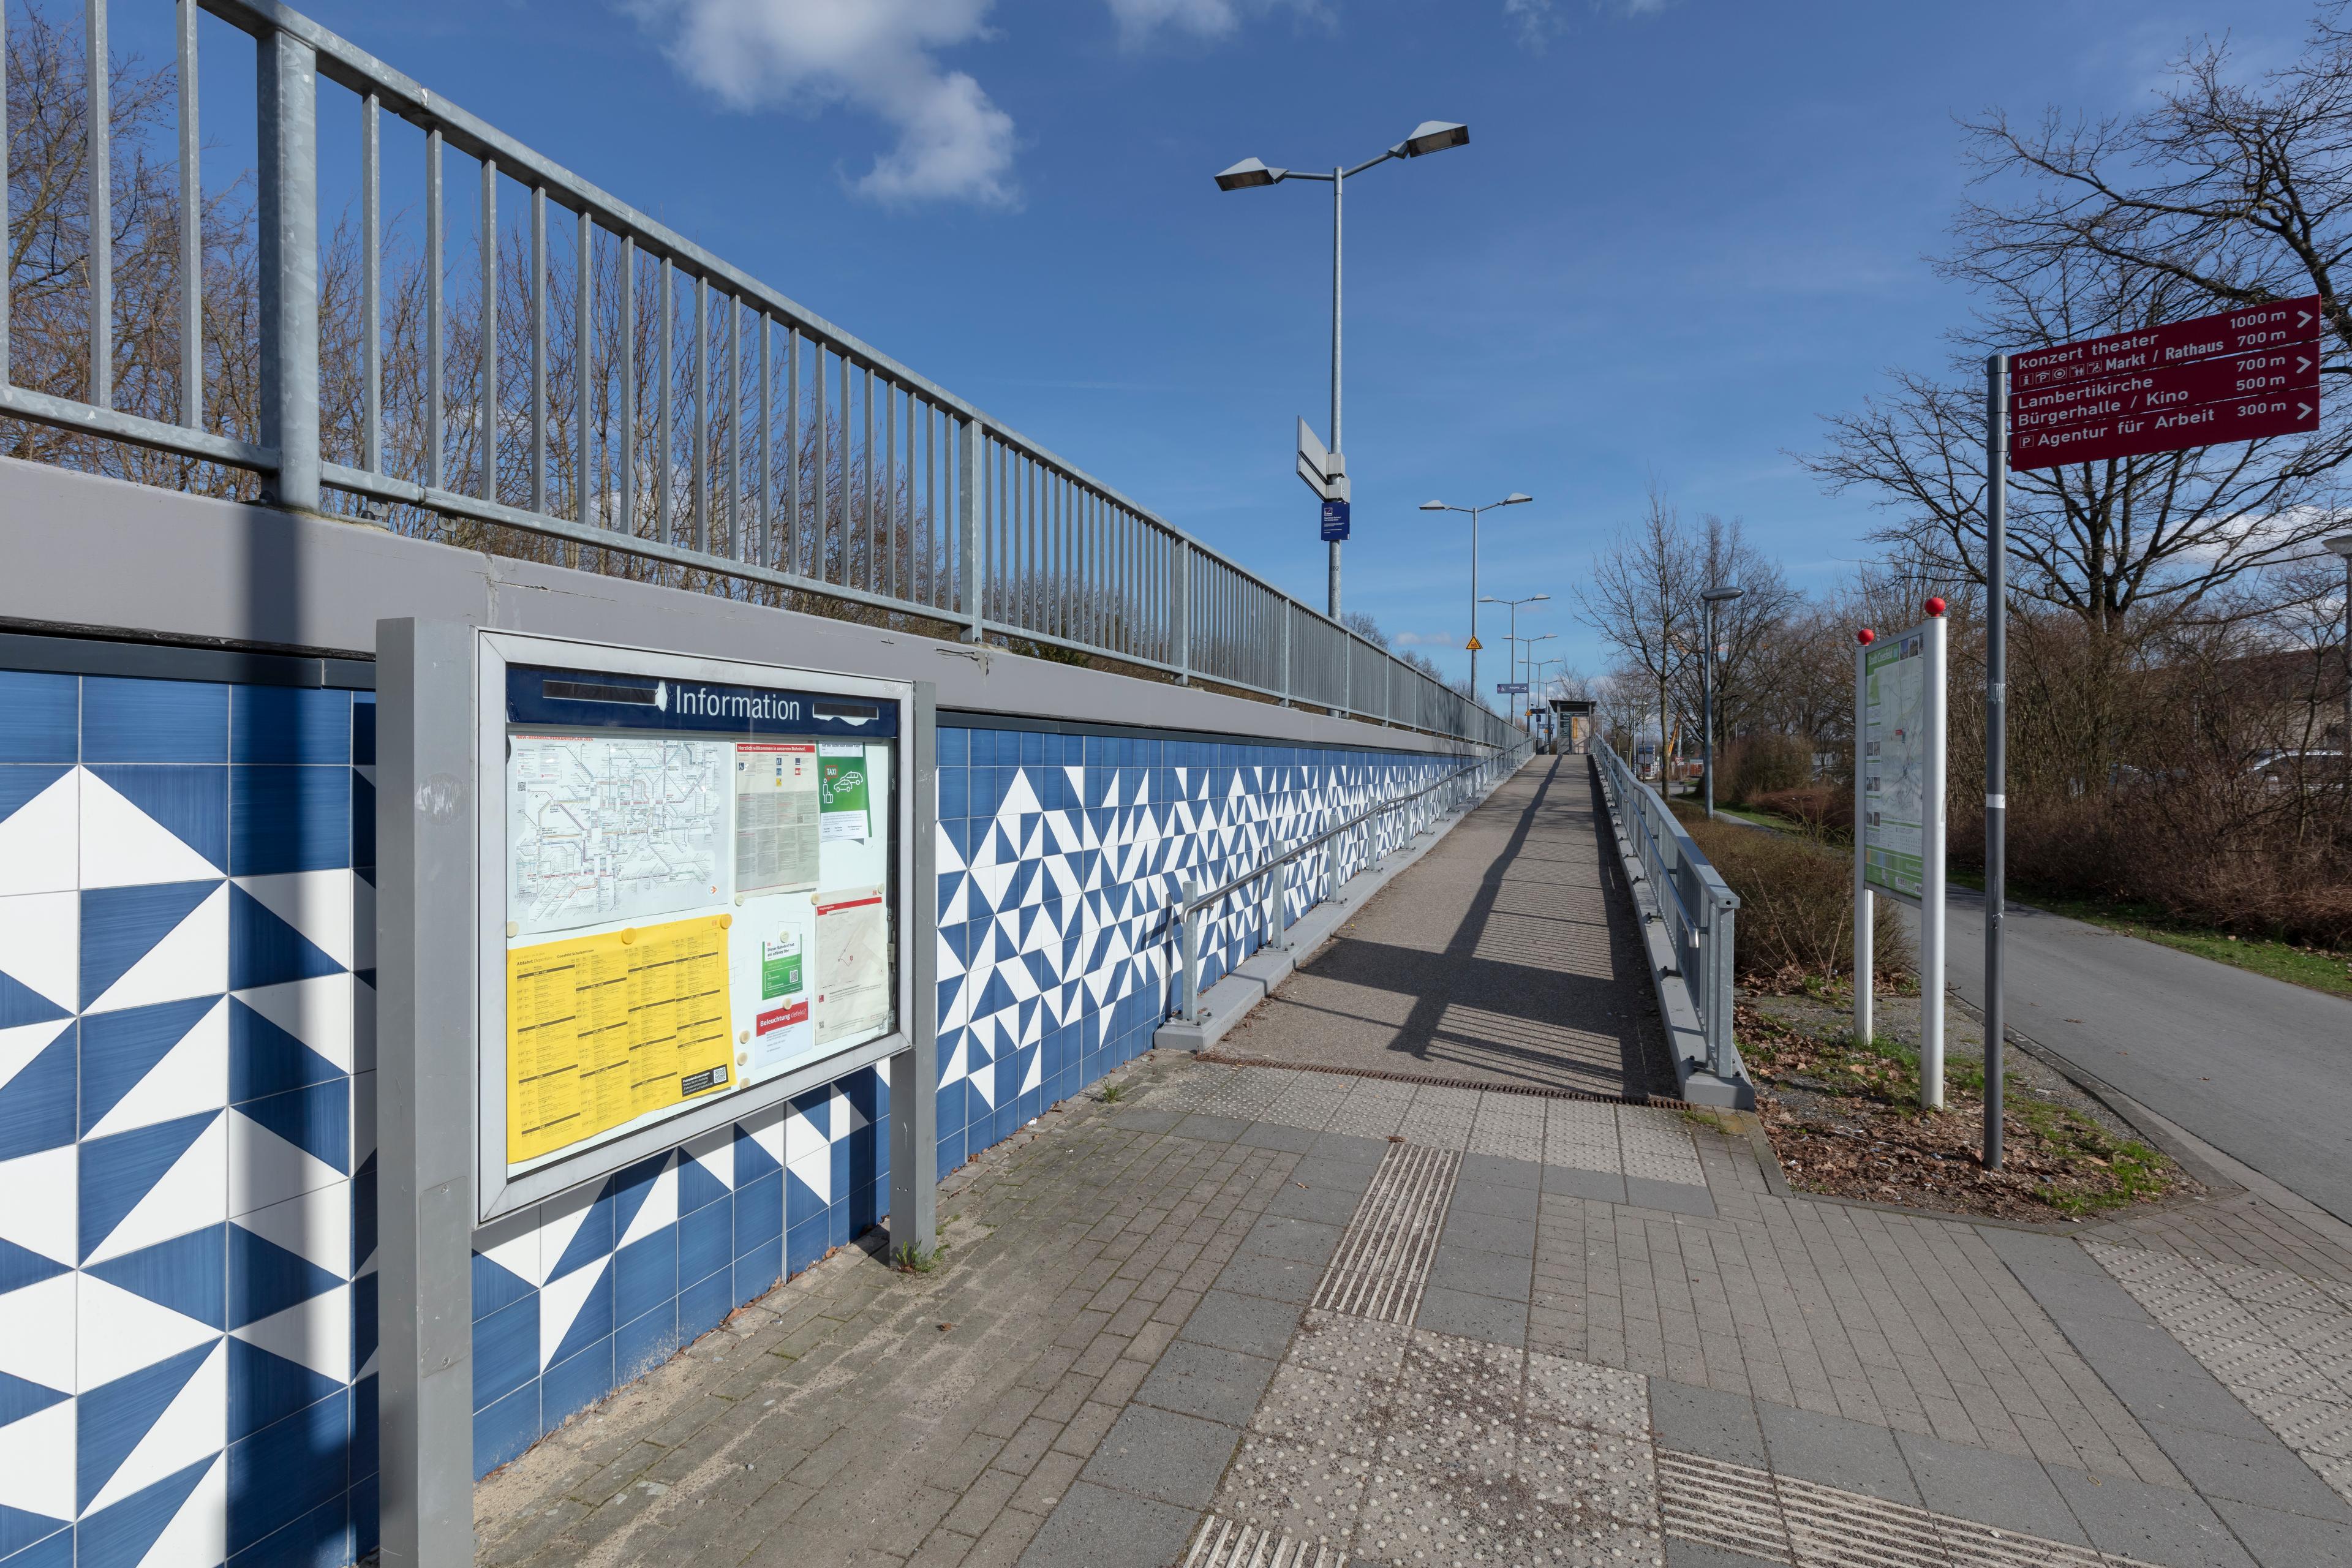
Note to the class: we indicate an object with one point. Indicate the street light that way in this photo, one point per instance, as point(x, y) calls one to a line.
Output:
point(1515, 604)
point(1429, 136)
point(2341, 544)
point(1529, 644)
point(1514, 499)
point(1712, 598)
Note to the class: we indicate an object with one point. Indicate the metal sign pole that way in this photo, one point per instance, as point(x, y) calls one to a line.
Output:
point(1931, 872)
point(1995, 808)
point(1864, 909)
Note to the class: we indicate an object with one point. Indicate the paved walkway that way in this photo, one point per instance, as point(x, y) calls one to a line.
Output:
point(1503, 956)
point(1307, 1319)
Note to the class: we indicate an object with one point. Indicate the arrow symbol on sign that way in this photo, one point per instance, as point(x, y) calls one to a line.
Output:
point(2303, 318)
point(2302, 410)
point(2301, 364)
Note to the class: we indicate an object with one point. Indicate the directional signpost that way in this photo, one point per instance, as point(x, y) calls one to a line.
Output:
point(1335, 519)
point(2243, 375)
point(1326, 474)
point(1510, 688)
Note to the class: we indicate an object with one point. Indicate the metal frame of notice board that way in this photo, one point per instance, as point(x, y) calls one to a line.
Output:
point(739, 703)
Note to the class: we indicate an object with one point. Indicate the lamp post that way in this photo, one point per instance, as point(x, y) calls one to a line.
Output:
point(1515, 604)
point(1529, 644)
point(1712, 598)
point(2341, 544)
point(1536, 682)
point(1514, 499)
point(1429, 136)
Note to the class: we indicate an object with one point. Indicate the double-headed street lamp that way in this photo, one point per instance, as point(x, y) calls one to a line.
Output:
point(2341, 544)
point(1712, 598)
point(1515, 604)
point(1430, 136)
point(1514, 499)
point(1529, 644)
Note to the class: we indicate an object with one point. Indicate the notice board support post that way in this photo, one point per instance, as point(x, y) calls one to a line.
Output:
point(1931, 879)
point(1995, 803)
point(426, 900)
point(915, 1072)
point(1865, 914)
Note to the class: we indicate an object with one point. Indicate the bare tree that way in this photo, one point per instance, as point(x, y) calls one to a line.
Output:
point(1642, 599)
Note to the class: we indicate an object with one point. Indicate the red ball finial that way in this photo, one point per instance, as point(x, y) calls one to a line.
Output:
point(1935, 607)
point(1866, 637)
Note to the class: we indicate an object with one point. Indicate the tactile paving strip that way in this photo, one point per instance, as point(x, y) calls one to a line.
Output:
point(1385, 1257)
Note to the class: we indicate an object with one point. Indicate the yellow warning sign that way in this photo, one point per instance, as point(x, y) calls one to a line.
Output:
point(602, 1029)
point(1473, 645)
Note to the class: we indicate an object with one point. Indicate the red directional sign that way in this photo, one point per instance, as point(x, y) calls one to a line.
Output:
point(2236, 376)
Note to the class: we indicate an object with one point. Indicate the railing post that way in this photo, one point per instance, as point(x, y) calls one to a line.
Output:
point(1188, 994)
point(1277, 925)
point(287, 94)
point(1721, 942)
point(1285, 653)
point(968, 526)
point(1181, 592)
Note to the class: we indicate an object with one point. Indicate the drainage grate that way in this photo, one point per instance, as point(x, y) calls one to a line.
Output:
point(1778, 1519)
point(1224, 1543)
point(1383, 1259)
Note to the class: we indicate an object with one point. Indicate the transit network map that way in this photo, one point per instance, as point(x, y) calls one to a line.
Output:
point(613, 829)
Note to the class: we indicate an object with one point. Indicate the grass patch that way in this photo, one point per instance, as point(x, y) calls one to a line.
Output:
point(1112, 1094)
point(916, 1260)
point(2315, 968)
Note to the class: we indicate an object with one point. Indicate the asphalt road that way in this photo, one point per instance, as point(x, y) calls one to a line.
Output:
point(2257, 1067)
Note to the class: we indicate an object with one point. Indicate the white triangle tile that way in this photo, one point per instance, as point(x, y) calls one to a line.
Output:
point(715, 1152)
point(943, 851)
point(123, 847)
point(36, 1333)
point(511, 1241)
point(316, 1333)
point(20, 1045)
point(767, 1130)
point(40, 945)
point(191, 961)
point(1019, 800)
point(983, 1086)
point(264, 1169)
point(44, 1198)
point(36, 1462)
point(848, 1119)
point(197, 1536)
point(1035, 1076)
point(317, 1226)
point(117, 1333)
point(190, 1195)
point(316, 904)
point(816, 1174)
point(39, 840)
point(363, 1128)
point(192, 1076)
point(953, 1072)
point(194, 1423)
point(559, 1302)
point(659, 1211)
point(560, 1218)
point(319, 1011)
point(807, 1135)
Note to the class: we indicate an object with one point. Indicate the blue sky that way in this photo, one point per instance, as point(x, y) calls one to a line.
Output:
point(1683, 231)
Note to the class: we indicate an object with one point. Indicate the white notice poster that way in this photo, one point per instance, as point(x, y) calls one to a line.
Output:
point(776, 818)
point(773, 974)
point(853, 965)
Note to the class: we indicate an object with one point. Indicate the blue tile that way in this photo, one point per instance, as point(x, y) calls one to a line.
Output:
point(644, 1342)
point(955, 793)
point(576, 1383)
point(592, 1322)
point(110, 1419)
point(362, 823)
point(38, 716)
point(801, 1203)
point(265, 1388)
point(119, 1535)
point(188, 1274)
point(154, 720)
point(502, 1432)
point(496, 1287)
point(955, 746)
point(117, 1171)
point(593, 1239)
point(190, 802)
point(805, 1245)
point(263, 1059)
point(31, 1540)
point(289, 724)
point(759, 1212)
point(706, 1242)
point(284, 818)
point(365, 1324)
point(366, 1522)
point(286, 1472)
point(704, 1305)
point(950, 1153)
point(37, 1105)
point(506, 1351)
point(644, 1274)
point(363, 729)
point(757, 1271)
point(317, 1120)
point(119, 926)
point(319, 1538)
point(696, 1185)
point(752, 1161)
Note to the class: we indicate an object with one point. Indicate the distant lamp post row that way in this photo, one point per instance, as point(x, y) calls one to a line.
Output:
point(1429, 136)
point(1514, 499)
point(1514, 633)
point(1712, 598)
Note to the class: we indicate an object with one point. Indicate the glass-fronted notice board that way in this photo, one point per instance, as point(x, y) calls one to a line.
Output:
point(697, 878)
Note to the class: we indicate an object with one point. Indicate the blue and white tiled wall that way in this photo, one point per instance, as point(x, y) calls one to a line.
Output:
point(1059, 859)
point(187, 1304)
point(187, 1229)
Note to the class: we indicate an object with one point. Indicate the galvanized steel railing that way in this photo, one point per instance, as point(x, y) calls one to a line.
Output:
point(804, 459)
point(1689, 896)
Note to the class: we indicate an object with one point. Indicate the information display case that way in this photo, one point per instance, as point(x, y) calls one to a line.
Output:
point(693, 876)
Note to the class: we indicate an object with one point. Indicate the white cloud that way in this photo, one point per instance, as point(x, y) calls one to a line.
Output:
point(1424, 639)
point(1140, 20)
point(1534, 20)
point(879, 56)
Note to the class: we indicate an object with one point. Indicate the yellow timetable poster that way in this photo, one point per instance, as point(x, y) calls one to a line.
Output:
point(602, 1029)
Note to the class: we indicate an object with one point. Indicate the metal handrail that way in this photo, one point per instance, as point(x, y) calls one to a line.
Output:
point(1689, 897)
point(1463, 780)
point(923, 503)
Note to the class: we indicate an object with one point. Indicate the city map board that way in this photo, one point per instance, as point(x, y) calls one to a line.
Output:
point(668, 926)
point(1895, 743)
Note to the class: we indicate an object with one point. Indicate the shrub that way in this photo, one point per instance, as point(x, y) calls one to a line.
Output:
point(1765, 764)
point(1796, 906)
point(1826, 808)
